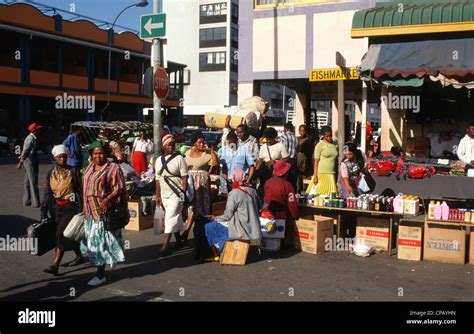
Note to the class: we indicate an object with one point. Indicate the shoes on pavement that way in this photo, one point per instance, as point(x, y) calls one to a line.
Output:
point(52, 270)
point(96, 281)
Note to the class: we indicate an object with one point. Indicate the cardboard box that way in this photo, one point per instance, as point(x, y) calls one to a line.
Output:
point(444, 243)
point(138, 222)
point(410, 242)
point(373, 231)
point(471, 247)
point(272, 231)
point(235, 252)
point(311, 233)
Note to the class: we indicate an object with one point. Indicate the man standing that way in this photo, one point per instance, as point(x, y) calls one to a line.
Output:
point(465, 150)
point(290, 142)
point(29, 159)
point(74, 157)
point(246, 140)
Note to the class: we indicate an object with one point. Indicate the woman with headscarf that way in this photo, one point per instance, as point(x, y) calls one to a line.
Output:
point(350, 170)
point(103, 186)
point(240, 220)
point(171, 185)
point(62, 200)
point(199, 160)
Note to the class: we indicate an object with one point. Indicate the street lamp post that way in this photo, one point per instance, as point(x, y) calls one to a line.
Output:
point(142, 3)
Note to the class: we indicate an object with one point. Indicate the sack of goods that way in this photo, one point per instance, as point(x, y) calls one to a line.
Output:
point(249, 112)
point(75, 229)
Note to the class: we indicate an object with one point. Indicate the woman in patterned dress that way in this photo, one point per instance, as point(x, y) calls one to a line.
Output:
point(103, 184)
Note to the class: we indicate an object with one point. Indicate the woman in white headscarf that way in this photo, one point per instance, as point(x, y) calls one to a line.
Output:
point(62, 201)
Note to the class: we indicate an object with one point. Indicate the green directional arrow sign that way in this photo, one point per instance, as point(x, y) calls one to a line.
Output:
point(153, 26)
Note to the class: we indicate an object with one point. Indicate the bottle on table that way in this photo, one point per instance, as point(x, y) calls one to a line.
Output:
point(445, 211)
point(431, 210)
point(437, 211)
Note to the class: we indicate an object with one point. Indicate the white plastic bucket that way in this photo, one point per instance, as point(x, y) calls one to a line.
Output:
point(270, 244)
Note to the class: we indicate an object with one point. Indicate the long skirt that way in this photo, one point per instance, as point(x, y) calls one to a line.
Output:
point(326, 184)
point(139, 162)
point(201, 204)
point(173, 213)
point(104, 247)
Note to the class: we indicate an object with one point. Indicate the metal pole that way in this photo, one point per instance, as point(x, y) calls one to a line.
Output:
point(340, 116)
point(156, 62)
point(363, 123)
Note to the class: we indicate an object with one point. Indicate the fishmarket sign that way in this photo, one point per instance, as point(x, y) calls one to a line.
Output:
point(331, 74)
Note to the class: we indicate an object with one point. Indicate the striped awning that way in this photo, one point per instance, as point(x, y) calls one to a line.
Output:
point(408, 17)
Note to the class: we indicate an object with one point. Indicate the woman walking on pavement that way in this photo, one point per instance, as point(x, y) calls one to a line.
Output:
point(199, 160)
point(171, 185)
point(141, 146)
point(62, 199)
point(103, 186)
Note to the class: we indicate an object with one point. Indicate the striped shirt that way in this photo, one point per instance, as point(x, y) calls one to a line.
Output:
point(98, 182)
point(291, 143)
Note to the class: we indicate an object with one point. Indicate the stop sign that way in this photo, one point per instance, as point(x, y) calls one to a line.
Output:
point(161, 84)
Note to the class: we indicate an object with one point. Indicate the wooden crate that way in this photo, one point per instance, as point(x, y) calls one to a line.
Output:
point(235, 252)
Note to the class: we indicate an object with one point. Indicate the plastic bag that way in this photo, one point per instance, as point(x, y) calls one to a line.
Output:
point(362, 186)
point(190, 190)
point(75, 228)
point(159, 220)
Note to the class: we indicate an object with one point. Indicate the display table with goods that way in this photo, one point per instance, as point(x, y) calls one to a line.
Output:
point(376, 216)
point(425, 177)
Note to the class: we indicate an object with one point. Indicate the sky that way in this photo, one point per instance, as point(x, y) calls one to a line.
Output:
point(105, 10)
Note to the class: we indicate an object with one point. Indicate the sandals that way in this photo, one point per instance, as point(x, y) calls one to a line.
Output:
point(52, 270)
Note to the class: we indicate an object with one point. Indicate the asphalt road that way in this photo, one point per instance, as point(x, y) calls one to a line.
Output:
point(283, 276)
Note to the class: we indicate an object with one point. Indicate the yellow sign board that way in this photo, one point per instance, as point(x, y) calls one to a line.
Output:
point(329, 74)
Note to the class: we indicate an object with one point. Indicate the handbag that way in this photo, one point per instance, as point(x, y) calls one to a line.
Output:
point(159, 221)
point(75, 228)
point(42, 236)
point(116, 217)
point(266, 171)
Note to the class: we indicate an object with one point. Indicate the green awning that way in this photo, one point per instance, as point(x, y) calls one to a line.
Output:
point(406, 17)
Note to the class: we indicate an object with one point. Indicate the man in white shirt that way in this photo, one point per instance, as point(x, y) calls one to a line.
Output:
point(465, 150)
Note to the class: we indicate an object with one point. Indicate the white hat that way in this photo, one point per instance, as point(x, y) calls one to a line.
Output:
point(58, 150)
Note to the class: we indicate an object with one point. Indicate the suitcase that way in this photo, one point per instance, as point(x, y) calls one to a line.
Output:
point(42, 236)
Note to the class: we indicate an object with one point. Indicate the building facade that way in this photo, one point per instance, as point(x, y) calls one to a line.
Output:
point(203, 34)
point(55, 72)
point(283, 42)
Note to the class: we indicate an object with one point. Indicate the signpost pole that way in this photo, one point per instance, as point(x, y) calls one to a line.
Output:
point(341, 62)
point(156, 62)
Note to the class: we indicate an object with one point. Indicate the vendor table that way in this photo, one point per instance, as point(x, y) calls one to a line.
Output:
point(392, 218)
point(435, 186)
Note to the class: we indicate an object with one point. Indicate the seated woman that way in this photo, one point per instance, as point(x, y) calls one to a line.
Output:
point(280, 200)
point(240, 219)
point(350, 170)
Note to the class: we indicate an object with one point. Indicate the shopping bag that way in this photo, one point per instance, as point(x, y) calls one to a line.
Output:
point(159, 220)
point(311, 190)
point(75, 228)
point(362, 186)
point(42, 236)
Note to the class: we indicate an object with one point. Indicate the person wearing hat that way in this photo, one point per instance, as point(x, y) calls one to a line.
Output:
point(29, 159)
point(103, 185)
point(62, 200)
point(171, 185)
point(279, 199)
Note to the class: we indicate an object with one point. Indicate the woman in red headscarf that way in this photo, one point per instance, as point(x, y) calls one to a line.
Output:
point(280, 200)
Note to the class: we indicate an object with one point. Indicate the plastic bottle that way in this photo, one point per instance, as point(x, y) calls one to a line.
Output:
point(444, 211)
point(398, 204)
point(431, 210)
point(437, 211)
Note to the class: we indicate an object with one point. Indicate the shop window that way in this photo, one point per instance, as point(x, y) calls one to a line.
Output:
point(44, 54)
point(9, 52)
point(74, 60)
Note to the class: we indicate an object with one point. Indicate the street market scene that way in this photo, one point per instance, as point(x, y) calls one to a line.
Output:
point(225, 150)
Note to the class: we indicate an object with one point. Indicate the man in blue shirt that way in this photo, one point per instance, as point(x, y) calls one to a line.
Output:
point(73, 145)
point(236, 156)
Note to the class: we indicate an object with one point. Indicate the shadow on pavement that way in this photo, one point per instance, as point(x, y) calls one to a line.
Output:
point(14, 225)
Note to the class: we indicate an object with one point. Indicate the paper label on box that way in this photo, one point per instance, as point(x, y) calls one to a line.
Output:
point(408, 242)
point(380, 234)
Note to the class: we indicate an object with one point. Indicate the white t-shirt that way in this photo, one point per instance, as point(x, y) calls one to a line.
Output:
point(145, 146)
point(278, 151)
point(177, 166)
